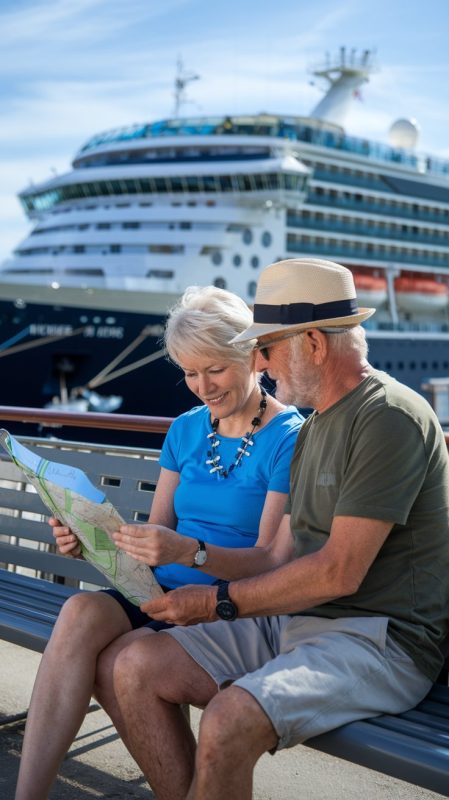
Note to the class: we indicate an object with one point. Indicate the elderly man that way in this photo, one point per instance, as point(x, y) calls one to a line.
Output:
point(341, 618)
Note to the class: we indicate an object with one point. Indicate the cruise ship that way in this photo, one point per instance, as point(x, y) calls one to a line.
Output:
point(150, 209)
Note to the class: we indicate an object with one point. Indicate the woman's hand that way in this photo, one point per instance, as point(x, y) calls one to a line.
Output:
point(67, 543)
point(155, 544)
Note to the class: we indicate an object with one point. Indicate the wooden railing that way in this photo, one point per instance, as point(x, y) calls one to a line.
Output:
point(118, 422)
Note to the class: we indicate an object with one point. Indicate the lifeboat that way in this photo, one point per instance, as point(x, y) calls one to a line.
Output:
point(371, 290)
point(415, 295)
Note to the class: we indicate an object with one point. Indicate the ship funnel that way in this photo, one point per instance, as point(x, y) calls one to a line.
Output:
point(344, 75)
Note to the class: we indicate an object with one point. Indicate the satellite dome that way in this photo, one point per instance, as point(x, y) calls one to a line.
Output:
point(404, 133)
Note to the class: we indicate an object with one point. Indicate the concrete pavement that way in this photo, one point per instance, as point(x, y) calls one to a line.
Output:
point(98, 765)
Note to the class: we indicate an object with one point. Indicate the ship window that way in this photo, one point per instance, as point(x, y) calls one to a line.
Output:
point(166, 248)
point(247, 236)
point(217, 258)
point(237, 260)
point(131, 225)
point(87, 271)
point(220, 283)
point(115, 248)
point(252, 287)
point(102, 226)
point(255, 262)
point(160, 273)
point(266, 238)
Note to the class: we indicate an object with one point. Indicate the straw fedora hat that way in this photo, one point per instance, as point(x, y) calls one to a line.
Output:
point(302, 293)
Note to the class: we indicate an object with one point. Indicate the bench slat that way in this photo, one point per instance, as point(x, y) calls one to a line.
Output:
point(391, 752)
point(51, 563)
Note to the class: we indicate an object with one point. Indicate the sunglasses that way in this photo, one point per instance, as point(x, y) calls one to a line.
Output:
point(264, 348)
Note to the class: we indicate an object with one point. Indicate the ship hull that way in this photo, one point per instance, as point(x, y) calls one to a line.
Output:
point(48, 350)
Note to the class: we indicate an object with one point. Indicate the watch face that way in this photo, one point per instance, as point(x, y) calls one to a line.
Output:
point(226, 610)
point(200, 558)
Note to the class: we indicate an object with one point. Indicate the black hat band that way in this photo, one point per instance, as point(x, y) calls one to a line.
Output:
point(298, 313)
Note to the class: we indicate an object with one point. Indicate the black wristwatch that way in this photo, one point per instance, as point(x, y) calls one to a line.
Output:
point(225, 608)
point(200, 555)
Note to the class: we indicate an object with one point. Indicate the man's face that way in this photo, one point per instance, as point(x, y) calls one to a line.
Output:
point(289, 363)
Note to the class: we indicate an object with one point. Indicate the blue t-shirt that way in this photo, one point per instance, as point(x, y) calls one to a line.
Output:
point(224, 511)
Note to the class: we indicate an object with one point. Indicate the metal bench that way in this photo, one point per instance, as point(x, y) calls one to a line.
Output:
point(34, 580)
point(413, 746)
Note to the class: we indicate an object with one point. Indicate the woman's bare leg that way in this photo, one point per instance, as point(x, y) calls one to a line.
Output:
point(88, 622)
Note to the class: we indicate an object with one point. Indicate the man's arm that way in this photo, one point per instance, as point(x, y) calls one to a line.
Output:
point(336, 570)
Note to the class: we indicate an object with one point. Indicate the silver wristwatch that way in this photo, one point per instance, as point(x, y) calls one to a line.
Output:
point(200, 555)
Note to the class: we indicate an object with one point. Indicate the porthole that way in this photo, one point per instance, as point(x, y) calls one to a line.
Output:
point(266, 238)
point(217, 258)
point(252, 287)
point(237, 260)
point(247, 236)
point(220, 283)
point(255, 261)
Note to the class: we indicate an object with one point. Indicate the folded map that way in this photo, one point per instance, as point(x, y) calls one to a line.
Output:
point(73, 499)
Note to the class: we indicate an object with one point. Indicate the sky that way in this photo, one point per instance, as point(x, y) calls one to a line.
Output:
point(73, 68)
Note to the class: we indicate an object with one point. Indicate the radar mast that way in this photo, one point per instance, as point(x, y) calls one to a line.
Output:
point(345, 74)
point(182, 80)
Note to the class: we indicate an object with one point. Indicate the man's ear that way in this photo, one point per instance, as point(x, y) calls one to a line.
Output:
point(316, 343)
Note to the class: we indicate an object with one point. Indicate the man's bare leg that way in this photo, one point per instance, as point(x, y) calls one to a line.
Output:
point(104, 689)
point(234, 733)
point(63, 687)
point(152, 678)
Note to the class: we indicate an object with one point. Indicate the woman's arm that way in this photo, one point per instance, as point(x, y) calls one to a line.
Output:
point(157, 544)
point(162, 510)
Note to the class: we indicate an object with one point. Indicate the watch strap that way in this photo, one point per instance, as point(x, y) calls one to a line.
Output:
point(200, 557)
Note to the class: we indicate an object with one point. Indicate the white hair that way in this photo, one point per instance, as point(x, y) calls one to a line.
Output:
point(351, 340)
point(203, 321)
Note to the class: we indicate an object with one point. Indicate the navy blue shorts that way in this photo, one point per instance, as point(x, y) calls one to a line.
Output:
point(137, 617)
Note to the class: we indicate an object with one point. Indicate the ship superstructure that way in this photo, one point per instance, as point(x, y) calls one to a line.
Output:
point(148, 210)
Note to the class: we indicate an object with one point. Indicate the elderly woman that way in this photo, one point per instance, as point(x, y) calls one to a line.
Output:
point(223, 485)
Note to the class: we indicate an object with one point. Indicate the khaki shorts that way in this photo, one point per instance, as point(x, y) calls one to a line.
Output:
point(309, 674)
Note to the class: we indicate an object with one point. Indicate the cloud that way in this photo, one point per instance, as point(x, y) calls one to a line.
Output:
point(78, 67)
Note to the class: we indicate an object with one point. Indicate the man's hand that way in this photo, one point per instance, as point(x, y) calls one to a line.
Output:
point(155, 544)
point(185, 606)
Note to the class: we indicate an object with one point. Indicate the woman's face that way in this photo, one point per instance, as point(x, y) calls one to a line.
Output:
point(224, 386)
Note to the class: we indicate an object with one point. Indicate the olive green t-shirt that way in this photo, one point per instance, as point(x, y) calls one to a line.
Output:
point(380, 453)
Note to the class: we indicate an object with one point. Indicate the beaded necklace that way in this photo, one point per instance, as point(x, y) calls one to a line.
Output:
point(247, 442)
